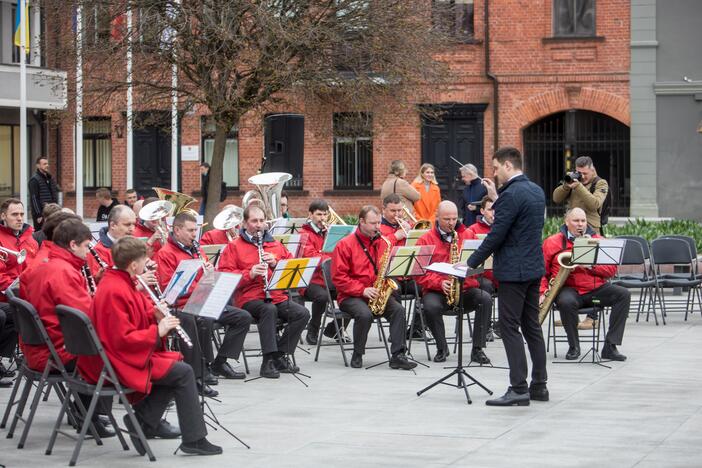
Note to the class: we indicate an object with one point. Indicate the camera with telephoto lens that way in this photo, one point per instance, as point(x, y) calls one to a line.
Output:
point(571, 177)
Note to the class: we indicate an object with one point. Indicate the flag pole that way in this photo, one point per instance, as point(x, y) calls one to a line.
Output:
point(174, 115)
point(130, 97)
point(24, 161)
point(78, 149)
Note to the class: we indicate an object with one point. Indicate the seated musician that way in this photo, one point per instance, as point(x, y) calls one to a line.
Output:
point(120, 222)
point(392, 226)
point(315, 232)
point(585, 286)
point(436, 286)
point(133, 330)
point(254, 263)
point(149, 230)
point(356, 261)
point(15, 235)
point(182, 245)
point(47, 229)
point(220, 236)
point(60, 280)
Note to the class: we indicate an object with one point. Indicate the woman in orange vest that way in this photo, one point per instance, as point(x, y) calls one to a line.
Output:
point(425, 183)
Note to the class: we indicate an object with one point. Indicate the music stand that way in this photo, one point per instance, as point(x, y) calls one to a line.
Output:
point(592, 252)
point(292, 242)
point(208, 300)
point(292, 274)
point(288, 226)
point(213, 252)
point(408, 262)
point(460, 272)
point(413, 236)
point(335, 233)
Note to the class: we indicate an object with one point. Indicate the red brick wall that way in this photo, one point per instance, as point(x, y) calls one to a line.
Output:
point(537, 74)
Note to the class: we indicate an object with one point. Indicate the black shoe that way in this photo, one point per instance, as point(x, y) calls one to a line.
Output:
point(538, 392)
point(356, 360)
point(573, 353)
point(609, 351)
point(226, 371)
point(284, 365)
point(400, 361)
point(164, 430)
point(311, 337)
point(206, 390)
point(511, 398)
point(441, 355)
point(268, 369)
point(102, 424)
point(210, 379)
point(6, 383)
point(478, 355)
point(136, 442)
point(415, 335)
point(4, 372)
point(201, 447)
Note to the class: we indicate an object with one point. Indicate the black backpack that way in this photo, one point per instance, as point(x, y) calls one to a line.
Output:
point(606, 203)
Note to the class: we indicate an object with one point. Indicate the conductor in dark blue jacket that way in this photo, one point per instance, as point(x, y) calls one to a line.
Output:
point(518, 265)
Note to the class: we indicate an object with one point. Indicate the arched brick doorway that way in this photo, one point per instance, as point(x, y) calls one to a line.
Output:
point(552, 144)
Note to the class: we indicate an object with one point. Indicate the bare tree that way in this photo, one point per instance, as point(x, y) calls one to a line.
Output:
point(240, 56)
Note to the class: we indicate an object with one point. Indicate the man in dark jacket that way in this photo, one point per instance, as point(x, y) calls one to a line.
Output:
point(472, 194)
point(42, 190)
point(515, 242)
point(105, 204)
point(205, 177)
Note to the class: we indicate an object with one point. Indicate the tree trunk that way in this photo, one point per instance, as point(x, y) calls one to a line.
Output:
point(216, 172)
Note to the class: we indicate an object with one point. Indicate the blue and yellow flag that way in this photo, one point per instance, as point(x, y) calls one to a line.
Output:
point(18, 31)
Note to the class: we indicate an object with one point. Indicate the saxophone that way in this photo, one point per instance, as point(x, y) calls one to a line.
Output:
point(384, 285)
point(453, 297)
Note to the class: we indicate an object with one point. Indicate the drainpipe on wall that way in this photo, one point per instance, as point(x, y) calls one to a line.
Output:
point(491, 76)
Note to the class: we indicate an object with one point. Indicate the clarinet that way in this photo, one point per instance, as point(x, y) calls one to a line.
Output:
point(98, 259)
point(183, 335)
point(259, 245)
point(92, 287)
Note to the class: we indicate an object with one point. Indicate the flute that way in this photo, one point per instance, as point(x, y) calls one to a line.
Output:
point(183, 335)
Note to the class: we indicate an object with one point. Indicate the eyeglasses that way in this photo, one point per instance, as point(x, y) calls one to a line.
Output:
point(283, 204)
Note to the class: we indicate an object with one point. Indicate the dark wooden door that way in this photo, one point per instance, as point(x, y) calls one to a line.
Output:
point(456, 136)
point(152, 157)
point(284, 146)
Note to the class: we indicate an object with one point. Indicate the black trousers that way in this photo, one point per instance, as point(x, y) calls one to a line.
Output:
point(236, 323)
point(518, 306)
point(474, 299)
point(318, 296)
point(266, 315)
point(178, 384)
point(362, 316)
point(8, 334)
point(486, 285)
point(610, 295)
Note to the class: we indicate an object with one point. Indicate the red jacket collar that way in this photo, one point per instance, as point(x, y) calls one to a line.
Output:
point(59, 252)
point(25, 231)
point(120, 275)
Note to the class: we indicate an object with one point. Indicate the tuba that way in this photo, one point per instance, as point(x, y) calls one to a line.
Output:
point(269, 187)
point(385, 286)
point(231, 216)
point(180, 201)
point(5, 254)
point(416, 224)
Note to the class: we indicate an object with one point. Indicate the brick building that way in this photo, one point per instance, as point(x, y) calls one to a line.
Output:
point(552, 75)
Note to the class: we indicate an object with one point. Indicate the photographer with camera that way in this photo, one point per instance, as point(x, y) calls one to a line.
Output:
point(584, 189)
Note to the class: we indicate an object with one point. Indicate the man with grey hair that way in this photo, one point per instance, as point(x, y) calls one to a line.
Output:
point(473, 193)
point(587, 191)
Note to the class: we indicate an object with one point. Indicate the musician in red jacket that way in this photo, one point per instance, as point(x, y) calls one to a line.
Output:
point(355, 263)
point(392, 226)
point(584, 286)
point(315, 232)
point(182, 245)
point(120, 223)
point(48, 228)
point(133, 330)
point(254, 255)
point(435, 286)
point(481, 228)
point(221, 236)
point(150, 231)
point(15, 235)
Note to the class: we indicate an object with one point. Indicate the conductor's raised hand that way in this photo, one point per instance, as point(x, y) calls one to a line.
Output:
point(489, 185)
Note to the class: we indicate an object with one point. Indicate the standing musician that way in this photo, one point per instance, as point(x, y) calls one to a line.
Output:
point(60, 280)
point(254, 254)
point(356, 261)
point(15, 235)
point(315, 231)
point(181, 245)
point(515, 241)
point(436, 287)
point(583, 286)
point(150, 230)
point(132, 330)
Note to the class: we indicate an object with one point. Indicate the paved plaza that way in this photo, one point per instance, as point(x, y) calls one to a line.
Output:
point(646, 412)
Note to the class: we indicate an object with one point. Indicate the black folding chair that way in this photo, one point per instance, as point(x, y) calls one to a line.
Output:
point(646, 281)
point(595, 338)
point(332, 312)
point(53, 376)
point(670, 251)
point(81, 339)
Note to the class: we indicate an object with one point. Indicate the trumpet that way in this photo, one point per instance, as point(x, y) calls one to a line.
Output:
point(21, 256)
point(416, 224)
point(156, 300)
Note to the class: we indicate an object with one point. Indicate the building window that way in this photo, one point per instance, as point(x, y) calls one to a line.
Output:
point(9, 159)
point(97, 23)
point(284, 145)
point(231, 151)
point(454, 17)
point(353, 151)
point(97, 152)
point(574, 18)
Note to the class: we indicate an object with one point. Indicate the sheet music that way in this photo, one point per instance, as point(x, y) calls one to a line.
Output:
point(292, 242)
point(409, 260)
point(285, 226)
point(212, 295)
point(335, 234)
point(413, 236)
point(293, 273)
point(470, 246)
point(182, 278)
point(460, 270)
point(600, 251)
